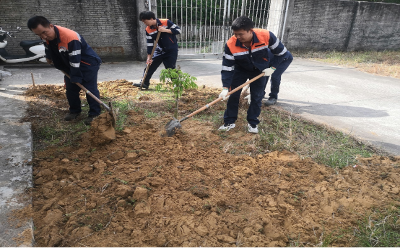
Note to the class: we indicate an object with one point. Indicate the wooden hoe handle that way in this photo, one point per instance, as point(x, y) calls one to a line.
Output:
point(151, 55)
point(90, 93)
point(220, 98)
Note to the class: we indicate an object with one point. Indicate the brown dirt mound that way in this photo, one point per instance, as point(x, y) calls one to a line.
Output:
point(143, 189)
point(109, 89)
point(101, 130)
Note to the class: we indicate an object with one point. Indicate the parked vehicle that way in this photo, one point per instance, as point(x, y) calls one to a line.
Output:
point(34, 49)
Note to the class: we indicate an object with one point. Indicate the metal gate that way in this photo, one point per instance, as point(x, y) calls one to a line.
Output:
point(206, 24)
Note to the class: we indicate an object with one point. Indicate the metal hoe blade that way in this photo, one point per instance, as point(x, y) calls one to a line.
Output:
point(172, 126)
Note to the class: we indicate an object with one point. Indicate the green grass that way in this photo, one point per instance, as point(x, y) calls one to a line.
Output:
point(384, 63)
point(381, 228)
point(280, 130)
point(121, 108)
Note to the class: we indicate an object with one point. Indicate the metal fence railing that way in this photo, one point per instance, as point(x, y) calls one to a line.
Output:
point(205, 24)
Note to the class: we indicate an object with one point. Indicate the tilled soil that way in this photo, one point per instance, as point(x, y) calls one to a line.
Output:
point(146, 189)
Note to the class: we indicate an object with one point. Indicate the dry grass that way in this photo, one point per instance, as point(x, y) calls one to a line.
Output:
point(383, 63)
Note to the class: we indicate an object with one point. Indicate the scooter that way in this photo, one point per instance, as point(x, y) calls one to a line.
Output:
point(34, 49)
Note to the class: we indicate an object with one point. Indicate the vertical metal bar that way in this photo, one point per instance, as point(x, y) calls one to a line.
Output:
point(201, 24)
point(182, 26)
point(224, 20)
point(227, 20)
point(258, 18)
point(266, 13)
point(191, 23)
point(215, 18)
point(243, 11)
point(205, 25)
point(149, 5)
point(284, 20)
point(187, 40)
point(212, 37)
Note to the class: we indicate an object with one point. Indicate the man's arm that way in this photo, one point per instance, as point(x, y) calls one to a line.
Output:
point(74, 48)
point(175, 29)
point(150, 43)
point(228, 66)
point(277, 48)
point(48, 53)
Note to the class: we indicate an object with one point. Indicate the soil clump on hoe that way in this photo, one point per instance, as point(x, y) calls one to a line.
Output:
point(146, 189)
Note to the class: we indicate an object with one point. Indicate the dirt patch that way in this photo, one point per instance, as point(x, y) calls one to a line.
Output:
point(146, 189)
point(101, 130)
point(143, 189)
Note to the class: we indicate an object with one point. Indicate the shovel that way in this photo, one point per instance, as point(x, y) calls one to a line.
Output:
point(175, 124)
point(152, 53)
point(108, 108)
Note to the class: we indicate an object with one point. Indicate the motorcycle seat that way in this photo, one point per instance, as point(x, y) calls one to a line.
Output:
point(29, 43)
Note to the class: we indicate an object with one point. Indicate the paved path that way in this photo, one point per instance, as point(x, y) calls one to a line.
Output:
point(362, 104)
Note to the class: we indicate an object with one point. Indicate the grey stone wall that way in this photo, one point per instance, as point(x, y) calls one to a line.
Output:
point(342, 25)
point(109, 26)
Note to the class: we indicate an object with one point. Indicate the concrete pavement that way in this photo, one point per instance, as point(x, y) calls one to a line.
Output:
point(358, 103)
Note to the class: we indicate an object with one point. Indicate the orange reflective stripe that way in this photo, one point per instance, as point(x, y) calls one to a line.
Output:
point(85, 62)
point(232, 46)
point(263, 38)
point(66, 36)
point(150, 30)
point(164, 22)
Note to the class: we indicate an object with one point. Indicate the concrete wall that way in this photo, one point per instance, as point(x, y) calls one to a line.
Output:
point(342, 25)
point(111, 27)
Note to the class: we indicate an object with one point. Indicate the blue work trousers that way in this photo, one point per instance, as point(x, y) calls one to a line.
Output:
point(277, 75)
point(169, 61)
point(89, 81)
point(257, 92)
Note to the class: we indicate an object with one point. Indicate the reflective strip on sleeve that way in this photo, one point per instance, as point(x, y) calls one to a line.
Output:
point(173, 26)
point(229, 57)
point(228, 68)
point(149, 37)
point(76, 52)
point(241, 53)
point(276, 44)
point(283, 52)
point(76, 65)
point(150, 44)
point(259, 48)
point(177, 29)
point(153, 32)
point(79, 37)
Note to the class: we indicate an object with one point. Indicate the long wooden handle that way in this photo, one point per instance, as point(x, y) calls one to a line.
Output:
point(151, 55)
point(220, 98)
point(90, 93)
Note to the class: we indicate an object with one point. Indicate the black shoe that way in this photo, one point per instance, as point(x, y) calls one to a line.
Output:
point(89, 119)
point(269, 102)
point(71, 116)
point(143, 87)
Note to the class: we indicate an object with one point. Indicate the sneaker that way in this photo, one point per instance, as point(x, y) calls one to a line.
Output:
point(138, 85)
point(269, 102)
point(71, 116)
point(89, 120)
point(226, 127)
point(252, 128)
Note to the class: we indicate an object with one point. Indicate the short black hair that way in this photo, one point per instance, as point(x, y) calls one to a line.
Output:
point(146, 15)
point(33, 22)
point(242, 22)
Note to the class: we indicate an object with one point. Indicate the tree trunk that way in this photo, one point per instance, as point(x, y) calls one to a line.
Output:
point(176, 107)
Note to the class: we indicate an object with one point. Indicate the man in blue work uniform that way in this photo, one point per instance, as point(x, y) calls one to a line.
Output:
point(167, 47)
point(245, 57)
point(70, 53)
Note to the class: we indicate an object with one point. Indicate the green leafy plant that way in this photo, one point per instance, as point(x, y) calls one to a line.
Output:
point(175, 81)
